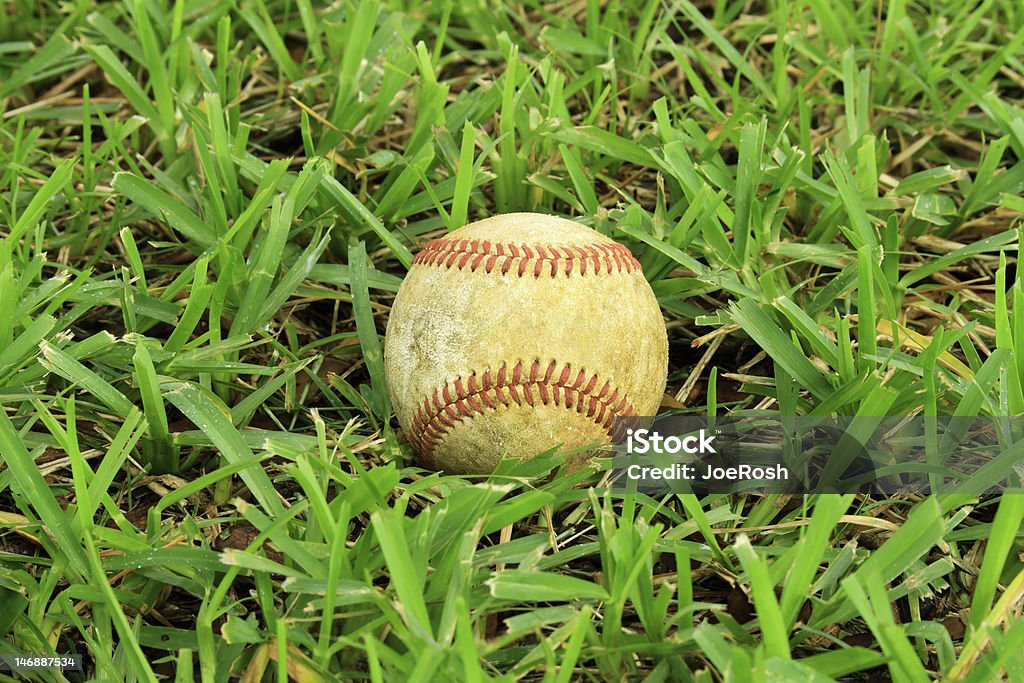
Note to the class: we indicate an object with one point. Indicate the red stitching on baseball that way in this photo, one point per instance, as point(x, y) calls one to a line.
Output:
point(462, 399)
point(521, 259)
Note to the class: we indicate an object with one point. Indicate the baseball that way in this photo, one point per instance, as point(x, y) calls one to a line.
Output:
point(517, 334)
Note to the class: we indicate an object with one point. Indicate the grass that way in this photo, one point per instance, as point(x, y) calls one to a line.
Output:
point(206, 209)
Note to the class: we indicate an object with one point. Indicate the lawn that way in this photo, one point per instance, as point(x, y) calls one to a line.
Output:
point(207, 207)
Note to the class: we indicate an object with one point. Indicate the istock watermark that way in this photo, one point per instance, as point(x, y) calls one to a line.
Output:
point(884, 455)
point(644, 441)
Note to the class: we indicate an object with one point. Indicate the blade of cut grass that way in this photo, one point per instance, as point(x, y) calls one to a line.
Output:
point(299, 270)
point(463, 178)
point(128, 641)
point(604, 142)
point(866, 324)
point(134, 259)
point(853, 203)
point(807, 553)
point(198, 300)
point(869, 597)
point(581, 183)
point(158, 203)
point(1005, 527)
point(159, 80)
point(981, 637)
point(773, 627)
point(266, 262)
point(358, 213)
point(725, 47)
point(159, 447)
point(389, 530)
point(990, 244)
point(53, 52)
point(543, 586)
point(369, 339)
point(34, 211)
point(266, 29)
point(922, 529)
point(749, 167)
point(129, 434)
point(808, 329)
point(63, 364)
point(271, 180)
point(18, 352)
point(780, 347)
point(206, 411)
point(574, 646)
point(133, 92)
point(359, 32)
point(35, 489)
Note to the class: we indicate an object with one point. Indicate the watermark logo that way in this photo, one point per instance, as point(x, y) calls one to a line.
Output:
point(883, 455)
point(643, 441)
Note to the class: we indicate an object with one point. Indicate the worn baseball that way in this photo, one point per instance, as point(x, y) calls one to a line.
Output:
point(517, 334)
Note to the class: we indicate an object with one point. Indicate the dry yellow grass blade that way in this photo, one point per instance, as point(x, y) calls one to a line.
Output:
point(857, 520)
point(12, 520)
point(300, 668)
point(1010, 601)
point(918, 342)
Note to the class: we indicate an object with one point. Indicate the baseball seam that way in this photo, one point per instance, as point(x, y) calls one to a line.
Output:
point(522, 259)
point(463, 398)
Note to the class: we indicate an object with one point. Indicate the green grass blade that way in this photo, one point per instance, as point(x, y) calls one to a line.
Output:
point(369, 339)
point(208, 413)
point(34, 488)
point(158, 203)
point(780, 347)
point(34, 211)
